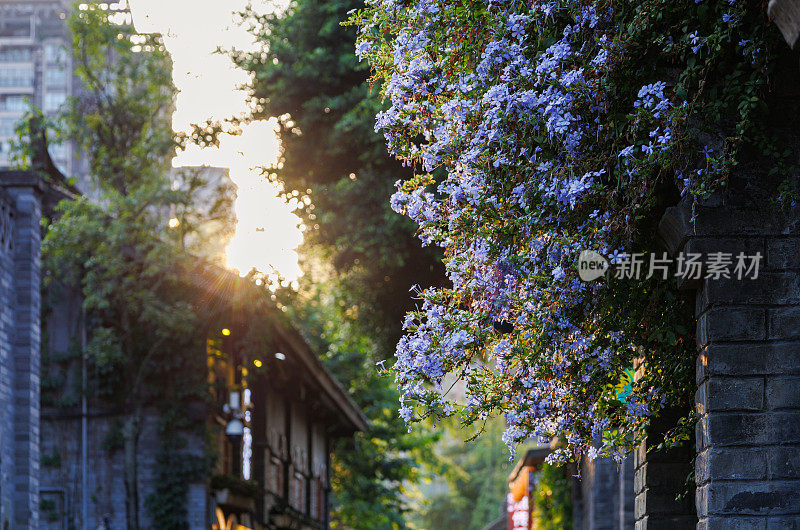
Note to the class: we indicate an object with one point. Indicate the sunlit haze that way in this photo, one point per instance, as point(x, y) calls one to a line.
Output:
point(267, 232)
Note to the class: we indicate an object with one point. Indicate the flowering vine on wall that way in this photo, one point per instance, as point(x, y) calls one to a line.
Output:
point(537, 130)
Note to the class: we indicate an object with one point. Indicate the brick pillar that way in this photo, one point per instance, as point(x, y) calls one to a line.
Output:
point(6, 361)
point(603, 498)
point(600, 491)
point(748, 369)
point(660, 479)
point(26, 192)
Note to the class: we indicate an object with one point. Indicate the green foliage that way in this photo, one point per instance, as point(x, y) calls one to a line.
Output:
point(565, 126)
point(175, 471)
point(240, 486)
point(51, 460)
point(30, 133)
point(48, 508)
point(122, 121)
point(552, 508)
point(113, 440)
point(57, 389)
point(132, 269)
point(475, 476)
point(204, 213)
point(725, 84)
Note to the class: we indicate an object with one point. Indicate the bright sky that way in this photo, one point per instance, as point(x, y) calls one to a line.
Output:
point(267, 233)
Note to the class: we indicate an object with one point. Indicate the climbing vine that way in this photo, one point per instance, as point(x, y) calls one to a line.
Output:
point(552, 498)
point(538, 130)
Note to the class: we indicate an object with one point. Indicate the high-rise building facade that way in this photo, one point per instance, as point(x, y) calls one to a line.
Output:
point(36, 68)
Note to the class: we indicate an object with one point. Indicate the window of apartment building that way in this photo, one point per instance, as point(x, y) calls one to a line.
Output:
point(54, 52)
point(16, 27)
point(5, 153)
point(7, 126)
point(50, 26)
point(55, 77)
point(21, 76)
point(14, 103)
point(15, 55)
point(54, 100)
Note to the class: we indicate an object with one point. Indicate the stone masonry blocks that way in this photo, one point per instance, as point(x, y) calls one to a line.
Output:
point(747, 466)
point(770, 288)
point(747, 463)
point(731, 324)
point(740, 428)
point(6, 363)
point(782, 392)
point(730, 394)
point(783, 253)
point(784, 323)
point(768, 358)
point(759, 498)
point(26, 350)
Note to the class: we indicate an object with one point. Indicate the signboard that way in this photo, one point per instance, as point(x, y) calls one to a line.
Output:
point(518, 513)
point(521, 485)
point(518, 502)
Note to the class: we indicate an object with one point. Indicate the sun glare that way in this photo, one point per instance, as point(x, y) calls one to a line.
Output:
point(267, 232)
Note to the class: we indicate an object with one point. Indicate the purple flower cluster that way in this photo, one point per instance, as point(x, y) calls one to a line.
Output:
point(511, 116)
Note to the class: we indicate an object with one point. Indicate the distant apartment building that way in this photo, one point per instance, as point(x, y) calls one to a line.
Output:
point(35, 68)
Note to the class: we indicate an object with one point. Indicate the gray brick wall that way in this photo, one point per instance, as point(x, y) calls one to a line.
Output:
point(748, 368)
point(663, 497)
point(606, 495)
point(61, 443)
point(61, 435)
point(6, 361)
point(625, 505)
point(25, 344)
point(20, 265)
point(23, 481)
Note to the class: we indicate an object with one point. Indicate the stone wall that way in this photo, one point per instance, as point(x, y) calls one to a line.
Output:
point(605, 500)
point(63, 471)
point(599, 487)
point(20, 239)
point(41, 472)
point(6, 360)
point(747, 447)
point(61, 476)
point(748, 368)
point(625, 505)
point(664, 495)
point(26, 341)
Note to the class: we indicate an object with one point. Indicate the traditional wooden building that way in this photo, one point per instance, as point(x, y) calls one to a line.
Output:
point(273, 417)
point(278, 414)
